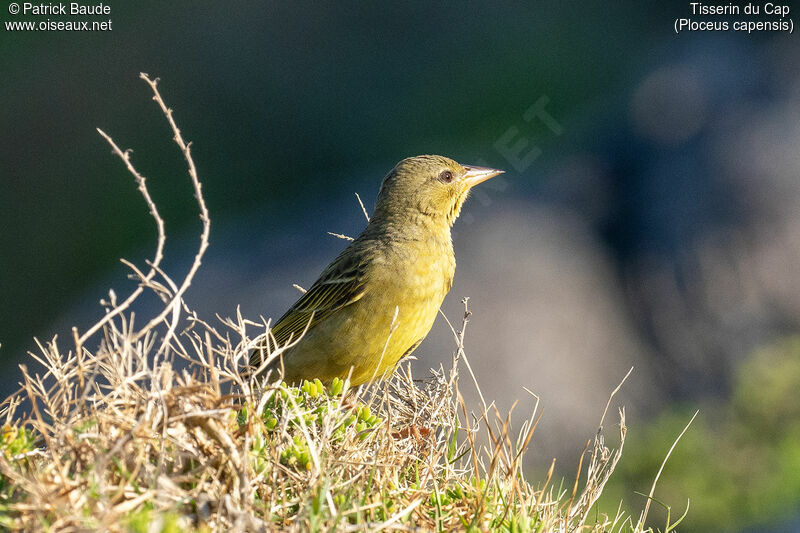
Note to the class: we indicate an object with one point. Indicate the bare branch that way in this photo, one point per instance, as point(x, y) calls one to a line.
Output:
point(142, 186)
point(174, 306)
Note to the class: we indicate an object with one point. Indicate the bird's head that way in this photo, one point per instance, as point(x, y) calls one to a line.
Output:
point(429, 187)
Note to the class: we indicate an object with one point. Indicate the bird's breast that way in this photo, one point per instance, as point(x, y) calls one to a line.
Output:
point(419, 276)
point(423, 269)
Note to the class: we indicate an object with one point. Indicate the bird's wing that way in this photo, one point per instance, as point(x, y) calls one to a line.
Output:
point(340, 285)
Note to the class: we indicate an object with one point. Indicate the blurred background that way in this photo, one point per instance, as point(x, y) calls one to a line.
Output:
point(649, 216)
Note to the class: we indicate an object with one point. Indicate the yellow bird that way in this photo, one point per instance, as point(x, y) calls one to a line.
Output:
point(376, 302)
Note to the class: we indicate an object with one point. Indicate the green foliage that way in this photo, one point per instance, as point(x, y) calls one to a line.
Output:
point(739, 464)
point(315, 402)
point(144, 520)
point(15, 440)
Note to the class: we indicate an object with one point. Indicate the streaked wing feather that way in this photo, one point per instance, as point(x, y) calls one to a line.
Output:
point(340, 285)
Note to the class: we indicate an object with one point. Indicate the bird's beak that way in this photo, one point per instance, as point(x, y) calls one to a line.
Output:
point(476, 175)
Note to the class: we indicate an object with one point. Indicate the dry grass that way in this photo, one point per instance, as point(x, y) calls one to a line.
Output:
point(122, 437)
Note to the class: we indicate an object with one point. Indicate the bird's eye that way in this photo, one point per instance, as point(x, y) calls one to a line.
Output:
point(446, 176)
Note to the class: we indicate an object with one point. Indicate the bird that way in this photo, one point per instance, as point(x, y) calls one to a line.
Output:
point(377, 300)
